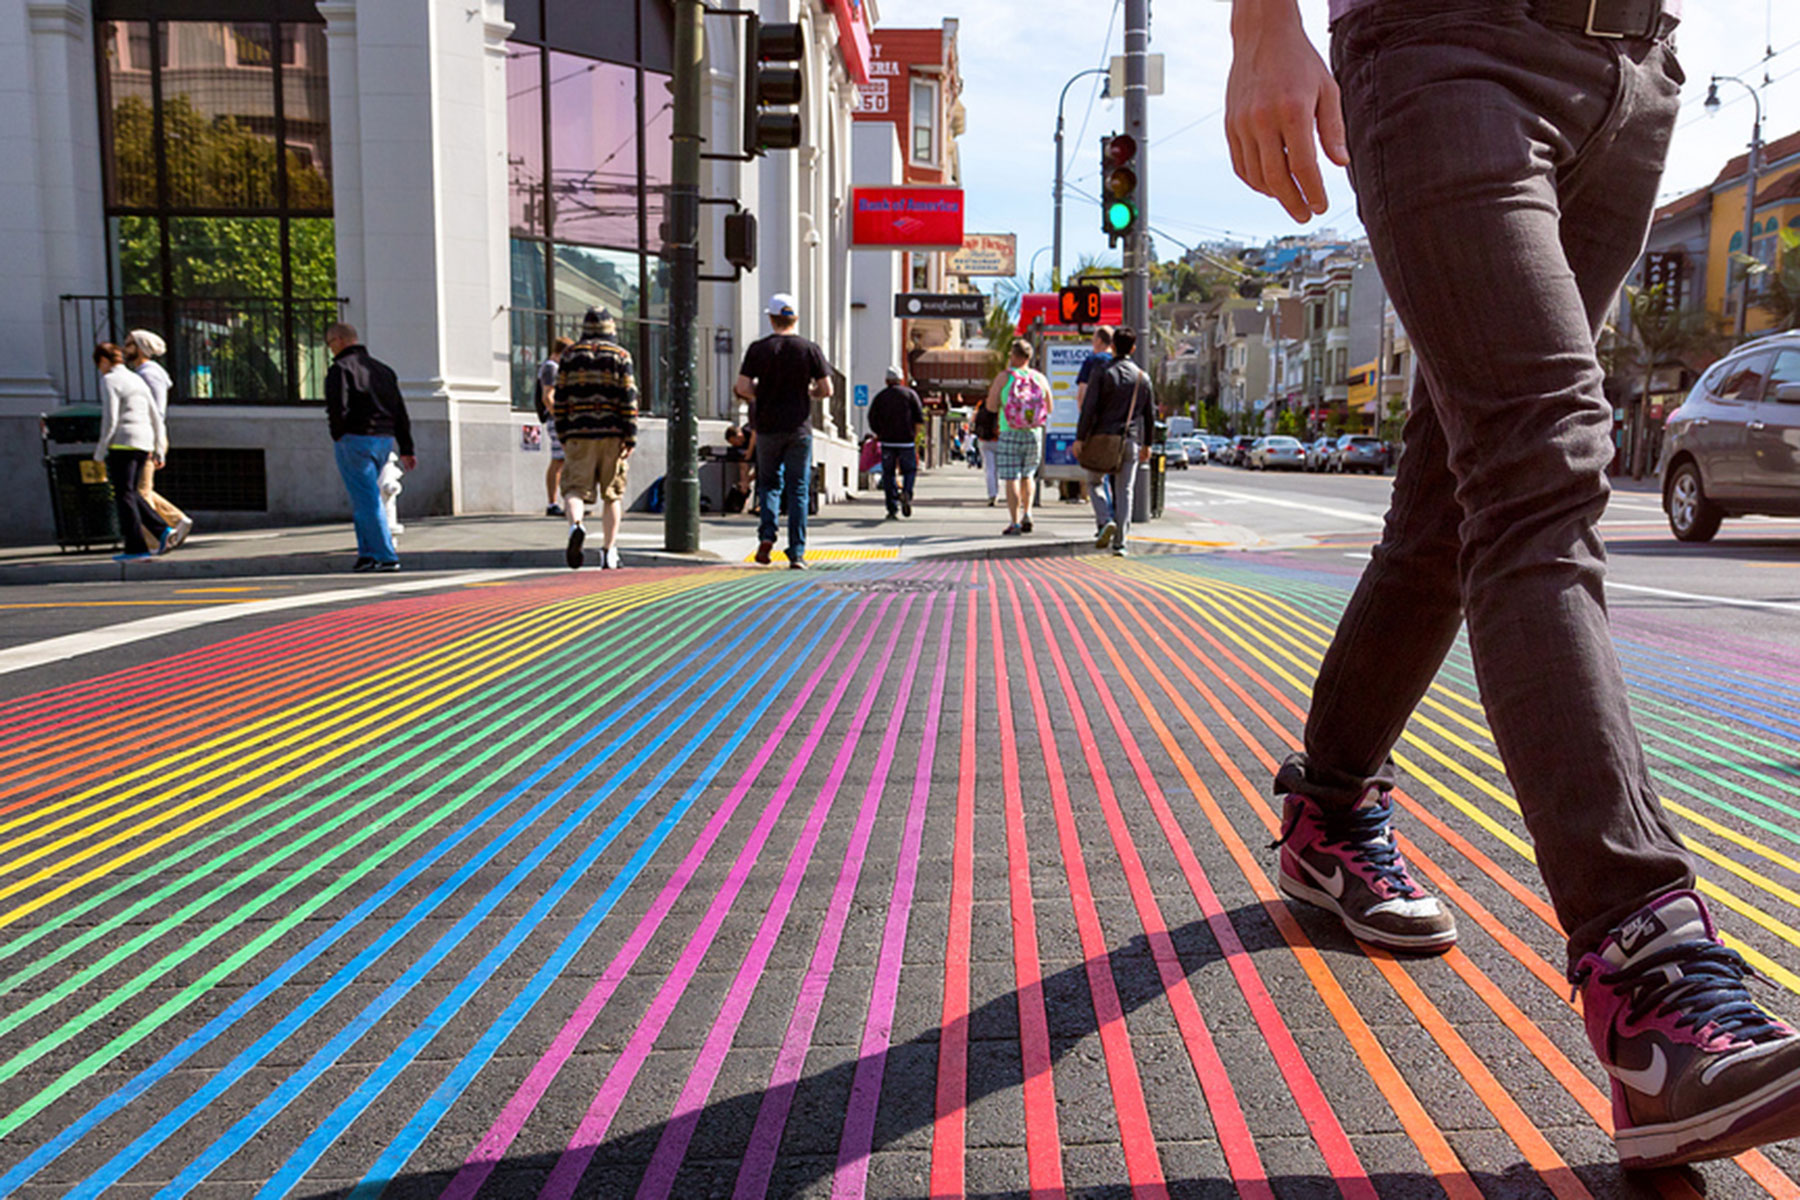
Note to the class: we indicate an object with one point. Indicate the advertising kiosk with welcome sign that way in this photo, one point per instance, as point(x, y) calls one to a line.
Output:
point(1066, 341)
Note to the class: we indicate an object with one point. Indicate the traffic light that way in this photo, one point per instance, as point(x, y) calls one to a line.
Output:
point(778, 87)
point(1118, 186)
point(740, 240)
point(1078, 305)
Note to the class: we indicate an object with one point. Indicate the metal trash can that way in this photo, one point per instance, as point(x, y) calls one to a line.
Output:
point(81, 498)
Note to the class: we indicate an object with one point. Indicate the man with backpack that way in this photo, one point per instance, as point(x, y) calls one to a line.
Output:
point(595, 406)
point(1020, 396)
point(545, 394)
point(1112, 436)
point(781, 376)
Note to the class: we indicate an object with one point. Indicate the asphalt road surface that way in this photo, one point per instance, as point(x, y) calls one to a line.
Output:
point(933, 879)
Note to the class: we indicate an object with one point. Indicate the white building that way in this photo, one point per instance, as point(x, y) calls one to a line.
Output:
point(458, 180)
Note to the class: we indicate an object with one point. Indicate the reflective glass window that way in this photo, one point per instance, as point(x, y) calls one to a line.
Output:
point(129, 106)
point(659, 124)
point(593, 152)
point(306, 117)
point(1786, 372)
point(587, 277)
point(1743, 382)
point(525, 139)
point(218, 114)
point(137, 254)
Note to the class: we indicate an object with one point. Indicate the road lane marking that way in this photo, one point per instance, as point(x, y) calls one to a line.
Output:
point(1342, 514)
point(72, 645)
point(1733, 601)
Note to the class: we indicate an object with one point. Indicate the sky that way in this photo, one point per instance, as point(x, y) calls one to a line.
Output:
point(1017, 54)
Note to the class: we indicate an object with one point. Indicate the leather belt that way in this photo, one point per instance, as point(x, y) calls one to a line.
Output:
point(1603, 18)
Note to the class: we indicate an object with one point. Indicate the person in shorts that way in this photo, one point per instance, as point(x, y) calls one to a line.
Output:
point(595, 407)
point(546, 390)
point(1020, 451)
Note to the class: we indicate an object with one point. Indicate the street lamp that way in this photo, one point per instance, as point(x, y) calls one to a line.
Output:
point(1056, 254)
point(1031, 271)
point(1751, 166)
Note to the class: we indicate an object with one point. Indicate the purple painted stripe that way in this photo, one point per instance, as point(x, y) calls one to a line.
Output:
point(771, 1118)
point(499, 1138)
point(858, 1138)
point(566, 1175)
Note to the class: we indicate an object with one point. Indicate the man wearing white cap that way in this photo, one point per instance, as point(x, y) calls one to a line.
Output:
point(142, 349)
point(781, 376)
point(895, 415)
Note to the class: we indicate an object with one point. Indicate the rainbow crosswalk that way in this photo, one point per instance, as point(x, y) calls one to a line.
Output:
point(934, 879)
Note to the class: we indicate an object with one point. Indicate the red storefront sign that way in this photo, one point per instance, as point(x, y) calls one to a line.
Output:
point(1033, 305)
point(912, 218)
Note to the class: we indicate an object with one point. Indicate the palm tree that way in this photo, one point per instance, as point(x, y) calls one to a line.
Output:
point(1660, 333)
point(1781, 288)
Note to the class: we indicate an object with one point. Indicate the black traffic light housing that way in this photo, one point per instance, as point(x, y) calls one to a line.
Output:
point(772, 87)
point(1118, 186)
point(740, 240)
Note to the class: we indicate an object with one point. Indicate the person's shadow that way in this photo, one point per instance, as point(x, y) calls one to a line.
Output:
point(908, 1104)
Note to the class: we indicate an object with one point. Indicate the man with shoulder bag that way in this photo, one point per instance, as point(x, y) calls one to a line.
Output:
point(1112, 436)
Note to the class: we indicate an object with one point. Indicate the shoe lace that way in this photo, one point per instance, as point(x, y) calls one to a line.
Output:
point(1708, 990)
point(1365, 831)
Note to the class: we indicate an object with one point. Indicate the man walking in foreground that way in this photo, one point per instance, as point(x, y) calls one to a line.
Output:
point(1506, 158)
point(1116, 403)
point(782, 374)
point(595, 405)
point(895, 415)
point(368, 421)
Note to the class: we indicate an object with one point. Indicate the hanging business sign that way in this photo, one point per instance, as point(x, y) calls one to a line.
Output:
point(906, 218)
point(971, 306)
point(987, 254)
point(853, 38)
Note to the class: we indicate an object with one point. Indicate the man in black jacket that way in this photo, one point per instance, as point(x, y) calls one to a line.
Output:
point(895, 415)
point(1117, 400)
point(367, 417)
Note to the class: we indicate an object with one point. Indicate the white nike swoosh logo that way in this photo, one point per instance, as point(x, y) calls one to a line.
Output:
point(1333, 883)
point(1647, 1081)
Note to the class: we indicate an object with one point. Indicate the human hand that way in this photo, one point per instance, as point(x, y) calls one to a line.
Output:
point(408, 462)
point(1143, 454)
point(1075, 449)
point(1278, 92)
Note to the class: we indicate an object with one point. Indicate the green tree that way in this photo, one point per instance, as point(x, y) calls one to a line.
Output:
point(1660, 333)
point(1781, 287)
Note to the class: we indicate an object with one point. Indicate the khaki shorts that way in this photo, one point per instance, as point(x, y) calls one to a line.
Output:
point(594, 467)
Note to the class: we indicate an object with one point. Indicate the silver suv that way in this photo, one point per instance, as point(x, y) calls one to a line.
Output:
point(1733, 447)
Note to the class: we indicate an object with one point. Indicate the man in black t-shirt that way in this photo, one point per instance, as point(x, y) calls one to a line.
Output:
point(781, 376)
point(894, 418)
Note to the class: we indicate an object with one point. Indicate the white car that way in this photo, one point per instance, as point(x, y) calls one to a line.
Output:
point(1196, 450)
point(1277, 450)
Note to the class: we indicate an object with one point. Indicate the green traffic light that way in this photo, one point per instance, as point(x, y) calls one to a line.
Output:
point(1119, 216)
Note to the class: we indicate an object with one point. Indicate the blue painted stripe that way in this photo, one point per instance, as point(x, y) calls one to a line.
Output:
point(79, 1128)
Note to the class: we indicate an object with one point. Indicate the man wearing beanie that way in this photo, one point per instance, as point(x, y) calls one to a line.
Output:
point(142, 349)
point(595, 408)
point(894, 418)
point(781, 376)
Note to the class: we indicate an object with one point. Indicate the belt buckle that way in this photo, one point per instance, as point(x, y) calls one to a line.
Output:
point(1593, 14)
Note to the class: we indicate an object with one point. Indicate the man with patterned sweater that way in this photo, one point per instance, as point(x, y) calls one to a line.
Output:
point(595, 409)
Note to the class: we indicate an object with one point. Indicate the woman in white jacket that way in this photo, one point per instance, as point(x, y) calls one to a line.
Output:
point(131, 430)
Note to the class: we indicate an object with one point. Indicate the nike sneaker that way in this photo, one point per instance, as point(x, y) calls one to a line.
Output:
point(1344, 861)
point(1699, 1069)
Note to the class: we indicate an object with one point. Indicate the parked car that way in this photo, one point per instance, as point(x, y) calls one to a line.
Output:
point(1318, 451)
point(1240, 450)
point(1358, 452)
point(1197, 451)
point(1218, 448)
point(1277, 451)
point(1174, 455)
point(1733, 447)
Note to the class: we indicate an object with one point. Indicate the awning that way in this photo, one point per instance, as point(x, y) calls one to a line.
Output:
point(948, 370)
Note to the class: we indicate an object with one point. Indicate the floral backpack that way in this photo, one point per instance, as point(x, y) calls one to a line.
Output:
point(1027, 403)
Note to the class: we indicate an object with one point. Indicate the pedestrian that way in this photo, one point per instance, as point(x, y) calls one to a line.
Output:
point(895, 415)
point(142, 349)
point(1506, 159)
point(1020, 396)
point(739, 453)
point(1099, 356)
point(596, 410)
point(781, 376)
point(368, 422)
point(543, 394)
point(1112, 436)
point(987, 447)
point(130, 431)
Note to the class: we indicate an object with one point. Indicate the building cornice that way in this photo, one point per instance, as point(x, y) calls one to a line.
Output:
point(67, 17)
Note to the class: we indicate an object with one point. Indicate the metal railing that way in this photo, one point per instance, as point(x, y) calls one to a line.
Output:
point(222, 349)
point(715, 368)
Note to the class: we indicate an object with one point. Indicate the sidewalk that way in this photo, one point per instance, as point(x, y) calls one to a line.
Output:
point(950, 519)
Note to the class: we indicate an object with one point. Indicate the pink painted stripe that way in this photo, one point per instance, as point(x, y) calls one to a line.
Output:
point(771, 1118)
point(858, 1137)
point(499, 1138)
point(566, 1175)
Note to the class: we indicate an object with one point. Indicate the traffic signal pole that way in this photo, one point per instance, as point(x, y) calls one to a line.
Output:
point(681, 486)
point(1137, 124)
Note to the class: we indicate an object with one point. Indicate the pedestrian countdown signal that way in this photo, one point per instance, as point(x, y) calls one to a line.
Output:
point(1078, 305)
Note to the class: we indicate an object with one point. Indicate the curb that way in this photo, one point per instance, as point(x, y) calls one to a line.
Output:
point(90, 570)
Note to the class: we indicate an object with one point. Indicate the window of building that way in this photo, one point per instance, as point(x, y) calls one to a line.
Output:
point(216, 153)
point(589, 112)
point(921, 273)
point(1340, 365)
point(1341, 300)
point(924, 121)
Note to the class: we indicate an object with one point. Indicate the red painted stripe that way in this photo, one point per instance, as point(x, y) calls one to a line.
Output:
point(1043, 1135)
point(949, 1129)
point(1143, 1164)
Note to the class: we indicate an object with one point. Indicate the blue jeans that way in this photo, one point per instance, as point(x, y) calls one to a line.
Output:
point(897, 462)
point(1505, 172)
point(360, 457)
point(1110, 494)
point(784, 478)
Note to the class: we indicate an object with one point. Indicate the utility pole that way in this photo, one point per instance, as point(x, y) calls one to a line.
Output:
point(1137, 124)
point(681, 486)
